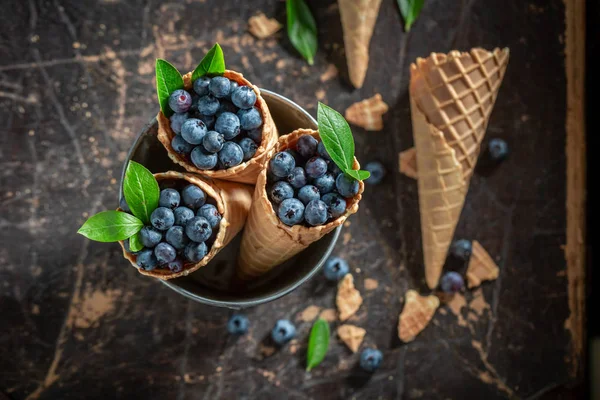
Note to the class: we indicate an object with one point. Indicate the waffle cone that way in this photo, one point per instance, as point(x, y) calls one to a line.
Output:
point(233, 202)
point(452, 96)
point(358, 20)
point(246, 172)
point(268, 242)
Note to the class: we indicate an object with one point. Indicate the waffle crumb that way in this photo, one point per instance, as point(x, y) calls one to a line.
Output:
point(309, 313)
point(371, 284)
point(330, 73)
point(352, 336)
point(368, 113)
point(263, 27)
point(348, 299)
point(416, 314)
point(328, 315)
point(407, 161)
point(481, 266)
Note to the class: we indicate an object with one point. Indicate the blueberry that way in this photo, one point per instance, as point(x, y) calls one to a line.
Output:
point(182, 215)
point(162, 218)
point(452, 282)
point(198, 229)
point(307, 146)
point(213, 142)
point(219, 86)
point(333, 168)
point(315, 213)
point(201, 85)
point(461, 249)
point(316, 167)
point(231, 155)
point(176, 237)
point(248, 147)
point(169, 198)
point(297, 178)
point(308, 193)
point(322, 152)
point(370, 359)
point(180, 101)
point(335, 269)
point(177, 120)
point(228, 124)
point(377, 171)
point(233, 85)
point(283, 332)
point(150, 236)
point(237, 324)
point(164, 253)
point(325, 183)
point(195, 252)
point(208, 105)
point(250, 119)
point(244, 97)
point(123, 205)
point(181, 146)
point(211, 213)
point(193, 131)
point(282, 164)
point(346, 186)
point(498, 149)
point(203, 159)
point(226, 106)
point(255, 134)
point(176, 265)
point(209, 120)
point(146, 260)
point(280, 191)
point(272, 178)
point(297, 157)
point(335, 203)
point(291, 211)
point(193, 197)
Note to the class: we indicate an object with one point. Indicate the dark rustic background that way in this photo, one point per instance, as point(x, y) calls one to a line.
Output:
point(76, 321)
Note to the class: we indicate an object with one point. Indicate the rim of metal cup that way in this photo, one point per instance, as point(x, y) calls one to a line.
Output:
point(259, 299)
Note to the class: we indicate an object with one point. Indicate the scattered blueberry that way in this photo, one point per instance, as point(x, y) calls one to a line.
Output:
point(198, 229)
point(250, 119)
point(461, 249)
point(177, 120)
point(181, 146)
point(150, 236)
point(211, 213)
point(283, 332)
point(377, 171)
point(291, 211)
point(164, 253)
point(228, 124)
point(346, 186)
point(193, 131)
point(255, 134)
point(162, 218)
point(316, 167)
point(231, 155)
point(280, 191)
point(169, 198)
point(237, 324)
point(146, 260)
point(498, 149)
point(297, 178)
point(282, 164)
point(219, 86)
point(244, 97)
point(123, 205)
point(203, 159)
point(195, 252)
point(201, 86)
point(335, 269)
point(315, 213)
point(452, 282)
point(176, 237)
point(307, 146)
point(193, 197)
point(322, 152)
point(308, 193)
point(325, 183)
point(248, 148)
point(208, 105)
point(370, 359)
point(213, 142)
point(180, 101)
point(182, 215)
point(335, 203)
point(176, 265)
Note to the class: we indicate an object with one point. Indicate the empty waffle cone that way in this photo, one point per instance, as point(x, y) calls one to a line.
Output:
point(246, 172)
point(233, 202)
point(358, 20)
point(268, 242)
point(452, 96)
point(481, 266)
point(416, 314)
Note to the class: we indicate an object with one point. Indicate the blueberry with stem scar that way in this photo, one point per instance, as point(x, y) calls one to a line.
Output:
point(308, 193)
point(335, 203)
point(228, 124)
point(213, 142)
point(162, 218)
point(291, 211)
point(146, 260)
point(150, 236)
point(198, 229)
point(237, 324)
point(169, 198)
point(325, 183)
point(280, 191)
point(335, 269)
point(282, 164)
point(180, 101)
point(211, 213)
point(231, 155)
point(297, 178)
point(283, 332)
point(370, 359)
point(315, 213)
point(193, 131)
point(243, 97)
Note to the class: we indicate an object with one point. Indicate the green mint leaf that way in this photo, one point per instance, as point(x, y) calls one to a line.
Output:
point(410, 10)
point(134, 243)
point(110, 226)
point(302, 29)
point(360, 175)
point(213, 63)
point(168, 80)
point(318, 343)
point(336, 136)
point(141, 191)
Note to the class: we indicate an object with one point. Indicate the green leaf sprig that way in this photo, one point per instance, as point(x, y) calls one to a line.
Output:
point(338, 141)
point(410, 10)
point(302, 29)
point(318, 343)
point(213, 63)
point(141, 193)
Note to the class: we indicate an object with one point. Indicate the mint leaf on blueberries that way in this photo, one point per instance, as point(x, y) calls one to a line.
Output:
point(110, 226)
point(213, 63)
point(410, 10)
point(338, 141)
point(135, 244)
point(302, 29)
point(141, 191)
point(318, 343)
point(168, 80)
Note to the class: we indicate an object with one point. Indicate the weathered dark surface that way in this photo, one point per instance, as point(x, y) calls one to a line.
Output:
point(76, 85)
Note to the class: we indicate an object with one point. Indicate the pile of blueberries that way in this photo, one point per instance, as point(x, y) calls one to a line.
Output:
point(306, 187)
point(182, 228)
point(217, 125)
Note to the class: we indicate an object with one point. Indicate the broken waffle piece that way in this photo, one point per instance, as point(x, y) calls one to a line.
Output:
point(348, 299)
point(262, 27)
point(352, 336)
point(481, 266)
point(407, 160)
point(368, 113)
point(416, 314)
